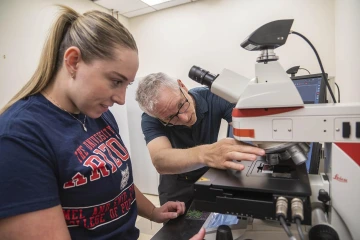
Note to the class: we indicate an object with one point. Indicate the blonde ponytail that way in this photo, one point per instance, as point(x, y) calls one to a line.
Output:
point(95, 33)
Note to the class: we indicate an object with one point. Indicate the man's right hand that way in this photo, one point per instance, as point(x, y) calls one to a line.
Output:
point(222, 153)
point(168, 160)
point(200, 235)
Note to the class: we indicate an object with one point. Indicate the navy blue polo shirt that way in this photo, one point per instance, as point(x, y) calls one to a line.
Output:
point(210, 109)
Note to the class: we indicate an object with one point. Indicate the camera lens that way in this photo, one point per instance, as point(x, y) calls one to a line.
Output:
point(202, 76)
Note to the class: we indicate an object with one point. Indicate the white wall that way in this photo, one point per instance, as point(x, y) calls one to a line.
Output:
point(347, 36)
point(208, 33)
point(23, 27)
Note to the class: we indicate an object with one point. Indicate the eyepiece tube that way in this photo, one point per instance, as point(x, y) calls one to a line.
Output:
point(202, 76)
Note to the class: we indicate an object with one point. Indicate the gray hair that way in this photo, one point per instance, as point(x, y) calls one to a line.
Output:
point(149, 89)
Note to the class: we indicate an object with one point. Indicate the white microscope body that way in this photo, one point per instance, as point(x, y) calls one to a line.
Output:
point(263, 115)
point(270, 113)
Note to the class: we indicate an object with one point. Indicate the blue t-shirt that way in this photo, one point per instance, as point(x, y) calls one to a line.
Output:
point(210, 109)
point(47, 159)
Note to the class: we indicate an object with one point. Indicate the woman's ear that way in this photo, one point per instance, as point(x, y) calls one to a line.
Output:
point(72, 57)
point(182, 85)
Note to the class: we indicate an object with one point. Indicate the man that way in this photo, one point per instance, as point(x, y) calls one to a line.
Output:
point(181, 129)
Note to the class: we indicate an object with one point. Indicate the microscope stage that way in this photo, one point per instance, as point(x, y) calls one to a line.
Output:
point(284, 178)
point(253, 191)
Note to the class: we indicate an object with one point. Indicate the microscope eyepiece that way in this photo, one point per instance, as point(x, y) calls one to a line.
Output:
point(202, 76)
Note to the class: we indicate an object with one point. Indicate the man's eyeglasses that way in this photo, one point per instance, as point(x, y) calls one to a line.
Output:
point(182, 109)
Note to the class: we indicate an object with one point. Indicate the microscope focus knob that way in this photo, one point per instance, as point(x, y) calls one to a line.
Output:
point(224, 233)
point(323, 232)
point(323, 196)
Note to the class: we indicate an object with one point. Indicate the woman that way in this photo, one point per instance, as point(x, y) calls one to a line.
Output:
point(64, 170)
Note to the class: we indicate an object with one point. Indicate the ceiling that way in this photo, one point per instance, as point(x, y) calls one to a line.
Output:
point(133, 8)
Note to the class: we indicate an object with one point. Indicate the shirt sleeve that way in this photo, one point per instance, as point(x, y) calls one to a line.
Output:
point(226, 108)
point(151, 128)
point(228, 111)
point(27, 177)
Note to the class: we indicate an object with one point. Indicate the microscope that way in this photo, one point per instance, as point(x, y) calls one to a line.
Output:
point(270, 113)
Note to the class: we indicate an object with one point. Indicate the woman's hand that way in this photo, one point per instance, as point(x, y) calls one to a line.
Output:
point(169, 210)
point(200, 235)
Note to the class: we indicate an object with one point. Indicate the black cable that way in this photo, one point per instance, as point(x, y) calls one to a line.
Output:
point(286, 228)
point(305, 70)
point(298, 225)
point(338, 91)
point(321, 66)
